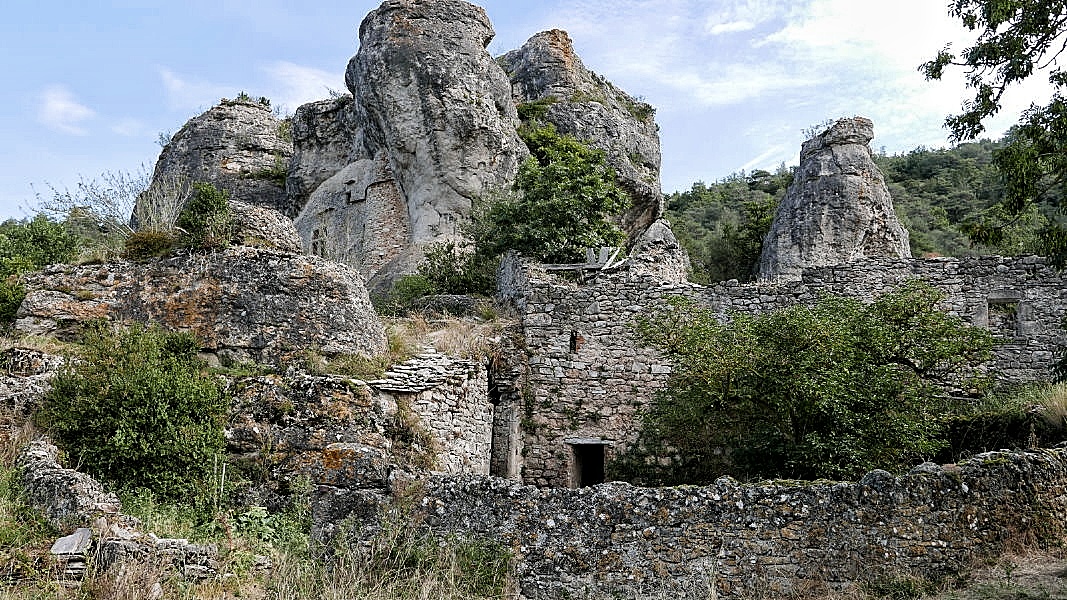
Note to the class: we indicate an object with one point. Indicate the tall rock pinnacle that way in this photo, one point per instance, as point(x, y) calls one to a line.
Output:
point(580, 103)
point(837, 210)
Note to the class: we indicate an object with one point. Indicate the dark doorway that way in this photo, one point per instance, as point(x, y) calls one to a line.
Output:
point(588, 464)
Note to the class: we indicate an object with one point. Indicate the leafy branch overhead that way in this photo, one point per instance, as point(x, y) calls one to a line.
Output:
point(1016, 40)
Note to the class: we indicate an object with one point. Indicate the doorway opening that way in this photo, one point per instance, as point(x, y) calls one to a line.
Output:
point(587, 462)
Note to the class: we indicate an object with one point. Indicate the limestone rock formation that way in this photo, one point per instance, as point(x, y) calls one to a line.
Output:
point(837, 210)
point(659, 254)
point(435, 100)
point(326, 137)
point(244, 303)
point(547, 73)
point(263, 228)
point(63, 496)
point(238, 146)
point(431, 126)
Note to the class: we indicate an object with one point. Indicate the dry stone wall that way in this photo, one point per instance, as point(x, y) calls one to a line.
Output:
point(586, 377)
point(353, 440)
point(243, 303)
point(449, 396)
point(619, 541)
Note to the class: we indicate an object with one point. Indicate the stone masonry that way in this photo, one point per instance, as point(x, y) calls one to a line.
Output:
point(731, 540)
point(582, 377)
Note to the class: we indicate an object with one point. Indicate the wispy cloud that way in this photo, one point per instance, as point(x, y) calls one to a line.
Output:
point(296, 84)
point(731, 84)
point(59, 110)
point(730, 27)
point(742, 15)
point(768, 158)
point(128, 127)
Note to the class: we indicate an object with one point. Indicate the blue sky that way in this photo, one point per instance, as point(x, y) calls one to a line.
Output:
point(91, 85)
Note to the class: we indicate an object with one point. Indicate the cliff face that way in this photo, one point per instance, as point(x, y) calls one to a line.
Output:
point(430, 127)
point(238, 146)
point(838, 209)
point(549, 78)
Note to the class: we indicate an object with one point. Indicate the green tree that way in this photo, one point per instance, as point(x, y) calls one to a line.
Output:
point(1016, 39)
point(26, 246)
point(722, 225)
point(139, 410)
point(565, 197)
point(829, 390)
point(205, 219)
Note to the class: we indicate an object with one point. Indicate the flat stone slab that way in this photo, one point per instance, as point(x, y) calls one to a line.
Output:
point(75, 543)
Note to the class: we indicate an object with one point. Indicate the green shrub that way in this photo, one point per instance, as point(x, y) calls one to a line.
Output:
point(537, 109)
point(452, 269)
point(565, 196)
point(27, 246)
point(33, 244)
point(830, 390)
point(138, 409)
point(205, 219)
point(147, 243)
point(276, 174)
point(12, 293)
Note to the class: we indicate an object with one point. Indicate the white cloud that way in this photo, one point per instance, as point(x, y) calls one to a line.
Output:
point(730, 27)
point(128, 127)
point(769, 158)
point(731, 84)
point(297, 84)
point(742, 15)
point(60, 111)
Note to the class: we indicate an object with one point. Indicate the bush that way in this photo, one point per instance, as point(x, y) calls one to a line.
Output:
point(12, 293)
point(149, 243)
point(452, 269)
point(205, 220)
point(565, 197)
point(27, 246)
point(831, 390)
point(138, 410)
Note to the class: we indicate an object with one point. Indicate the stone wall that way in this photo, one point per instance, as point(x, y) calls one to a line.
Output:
point(449, 396)
point(586, 378)
point(619, 541)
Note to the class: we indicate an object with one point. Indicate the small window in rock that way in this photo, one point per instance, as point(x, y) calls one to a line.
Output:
point(318, 242)
point(576, 341)
point(1004, 318)
point(588, 464)
point(348, 197)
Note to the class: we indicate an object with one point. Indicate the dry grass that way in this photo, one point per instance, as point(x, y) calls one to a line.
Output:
point(48, 345)
point(1053, 404)
point(407, 336)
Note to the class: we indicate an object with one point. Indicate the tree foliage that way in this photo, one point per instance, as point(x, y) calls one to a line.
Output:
point(722, 225)
point(138, 409)
point(565, 196)
point(1016, 40)
point(29, 245)
point(563, 201)
point(829, 390)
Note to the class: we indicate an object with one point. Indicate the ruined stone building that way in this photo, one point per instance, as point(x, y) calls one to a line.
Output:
point(515, 448)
